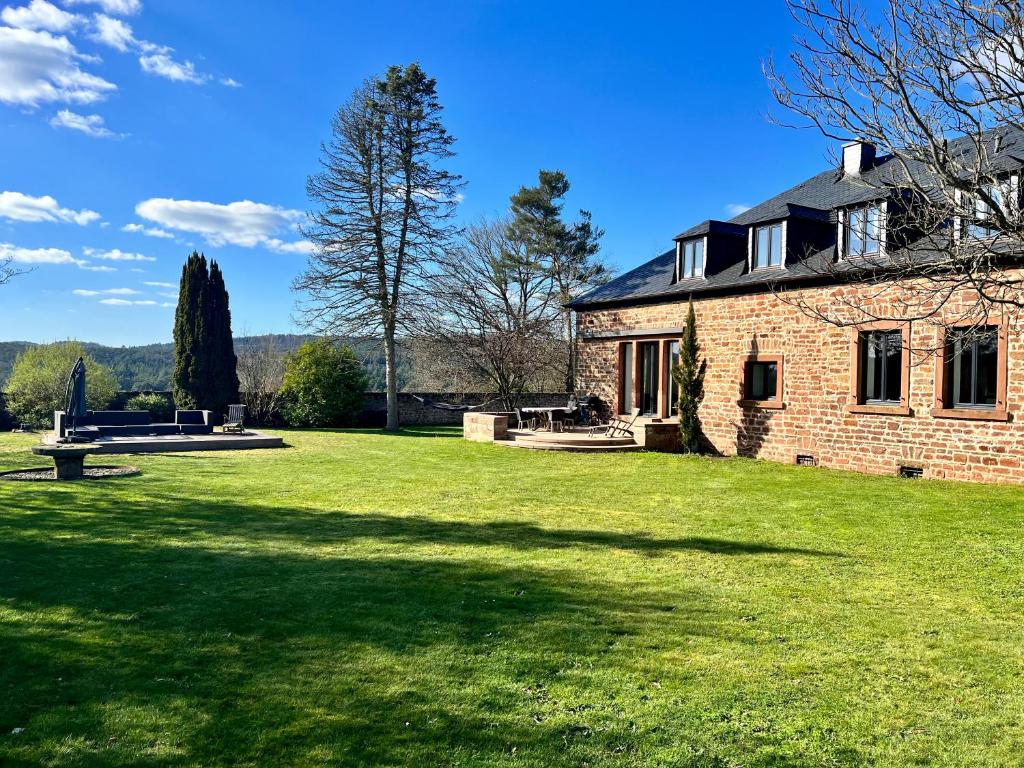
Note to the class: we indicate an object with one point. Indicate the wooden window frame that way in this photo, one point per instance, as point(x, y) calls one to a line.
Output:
point(664, 374)
point(945, 410)
point(778, 403)
point(857, 404)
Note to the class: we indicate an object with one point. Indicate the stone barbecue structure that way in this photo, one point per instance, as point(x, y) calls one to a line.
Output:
point(884, 397)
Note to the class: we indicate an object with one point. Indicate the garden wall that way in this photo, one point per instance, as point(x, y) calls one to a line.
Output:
point(411, 412)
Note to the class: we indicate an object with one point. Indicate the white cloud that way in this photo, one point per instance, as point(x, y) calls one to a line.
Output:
point(37, 67)
point(90, 125)
point(115, 254)
point(16, 206)
point(162, 65)
point(112, 32)
point(147, 231)
point(299, 246)
point(127, 303)
point(115, 7)
point(735, 209)
point(36, 255)
point(106, 292)
point(95, 267)
point(153, 284)
point(243, 223)
point(230, 82)
point(40, 14)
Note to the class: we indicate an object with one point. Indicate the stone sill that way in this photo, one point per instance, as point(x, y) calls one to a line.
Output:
point(772, 405)
point(975, 414)
point(879, 410)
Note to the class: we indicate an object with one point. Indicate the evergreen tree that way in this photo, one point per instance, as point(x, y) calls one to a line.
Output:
point(189, 347)
point(223, 380)
point(689, 377)
point(205, 374)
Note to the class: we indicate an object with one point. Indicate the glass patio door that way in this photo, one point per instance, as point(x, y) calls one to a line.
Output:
point(649, 378)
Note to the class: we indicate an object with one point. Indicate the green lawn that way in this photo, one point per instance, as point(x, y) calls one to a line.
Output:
point(419, 600)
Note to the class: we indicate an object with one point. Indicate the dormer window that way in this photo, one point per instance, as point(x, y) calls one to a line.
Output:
point(863, 231)
point(982, 225)
point(691, 259)
point(767, 247)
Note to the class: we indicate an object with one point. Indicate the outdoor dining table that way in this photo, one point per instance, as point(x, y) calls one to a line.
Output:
point(547, 413)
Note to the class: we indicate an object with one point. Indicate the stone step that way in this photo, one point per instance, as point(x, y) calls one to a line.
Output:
point(569, 438)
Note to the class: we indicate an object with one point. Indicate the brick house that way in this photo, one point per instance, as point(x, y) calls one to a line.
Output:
point(883, 397)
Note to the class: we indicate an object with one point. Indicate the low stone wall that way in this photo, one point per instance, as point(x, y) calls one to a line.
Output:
point(657, 435)
point(411, 412)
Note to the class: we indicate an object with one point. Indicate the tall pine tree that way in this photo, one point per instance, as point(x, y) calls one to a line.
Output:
point(689, 377)
point(205, 373)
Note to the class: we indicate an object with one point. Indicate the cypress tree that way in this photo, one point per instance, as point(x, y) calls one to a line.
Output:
point(223, 362)
point(689, 377)
point(189, 348)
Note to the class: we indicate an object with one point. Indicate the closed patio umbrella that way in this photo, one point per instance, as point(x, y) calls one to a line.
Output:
point(74, 405)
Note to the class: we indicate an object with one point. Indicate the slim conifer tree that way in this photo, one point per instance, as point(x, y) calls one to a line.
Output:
point(689, 377)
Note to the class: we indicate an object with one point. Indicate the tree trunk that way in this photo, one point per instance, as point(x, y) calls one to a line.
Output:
point(391, 379)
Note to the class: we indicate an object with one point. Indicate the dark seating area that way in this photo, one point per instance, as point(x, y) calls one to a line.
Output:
point(96, 424)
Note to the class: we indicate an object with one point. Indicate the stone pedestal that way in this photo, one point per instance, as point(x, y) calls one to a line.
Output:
point(485, 427)
point(68, 460)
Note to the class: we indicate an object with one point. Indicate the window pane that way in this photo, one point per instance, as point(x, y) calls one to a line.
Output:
point(987, 353)
point(873, 230)
point(698, 258)
point(872, 351)
point(893, 367)
point(673, 387)
point(761, 250)
point(688, 259)
point(763, 381)
point(776, 248)
point(963, 365)
point(854, 230)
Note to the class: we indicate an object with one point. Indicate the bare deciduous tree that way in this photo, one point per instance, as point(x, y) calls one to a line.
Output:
point(260, 374)
point(495, 310)
point(937, 86)
point(8, 270)
point(383, 215)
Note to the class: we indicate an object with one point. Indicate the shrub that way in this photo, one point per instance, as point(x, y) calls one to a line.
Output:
point(159, 406)
point(38, 382)
point(323, 386)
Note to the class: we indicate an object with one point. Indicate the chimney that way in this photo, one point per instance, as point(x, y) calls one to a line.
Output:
point(858, 156)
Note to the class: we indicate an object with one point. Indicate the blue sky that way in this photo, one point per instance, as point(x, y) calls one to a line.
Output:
point(134, 130)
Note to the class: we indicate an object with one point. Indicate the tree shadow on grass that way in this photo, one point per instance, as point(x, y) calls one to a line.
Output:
point(180, 631)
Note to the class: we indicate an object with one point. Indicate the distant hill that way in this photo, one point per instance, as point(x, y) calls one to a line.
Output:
point(150, 367)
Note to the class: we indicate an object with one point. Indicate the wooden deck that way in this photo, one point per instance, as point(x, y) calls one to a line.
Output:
point(172, 443)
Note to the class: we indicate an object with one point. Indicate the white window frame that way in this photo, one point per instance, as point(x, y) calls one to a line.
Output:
point(680, 256)
point(842, 236)
point(1010, 190)
point(752, 245)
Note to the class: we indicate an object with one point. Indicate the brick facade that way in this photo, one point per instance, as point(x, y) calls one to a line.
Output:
point(818, 413)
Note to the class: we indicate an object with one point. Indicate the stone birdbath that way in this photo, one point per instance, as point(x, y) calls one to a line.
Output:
point(68, 460)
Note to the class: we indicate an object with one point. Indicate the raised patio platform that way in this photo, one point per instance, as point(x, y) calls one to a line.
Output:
point(174, 443)
point(573, 441)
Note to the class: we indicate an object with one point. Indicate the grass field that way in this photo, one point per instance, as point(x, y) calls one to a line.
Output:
point(360, 599)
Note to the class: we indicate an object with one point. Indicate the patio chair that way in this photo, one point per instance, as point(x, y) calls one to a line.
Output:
point(235, 419)
point(615, 426)
point(525, 423)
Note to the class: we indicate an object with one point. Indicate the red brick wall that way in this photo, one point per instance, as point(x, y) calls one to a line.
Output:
point(817, 387)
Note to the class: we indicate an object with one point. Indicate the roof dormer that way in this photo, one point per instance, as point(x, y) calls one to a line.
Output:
point(706, 248)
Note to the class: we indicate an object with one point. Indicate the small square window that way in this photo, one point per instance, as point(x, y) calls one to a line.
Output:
point(762, 381)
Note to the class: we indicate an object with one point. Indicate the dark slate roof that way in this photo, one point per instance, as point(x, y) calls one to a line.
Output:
point(713, 227)
point(817, 198)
